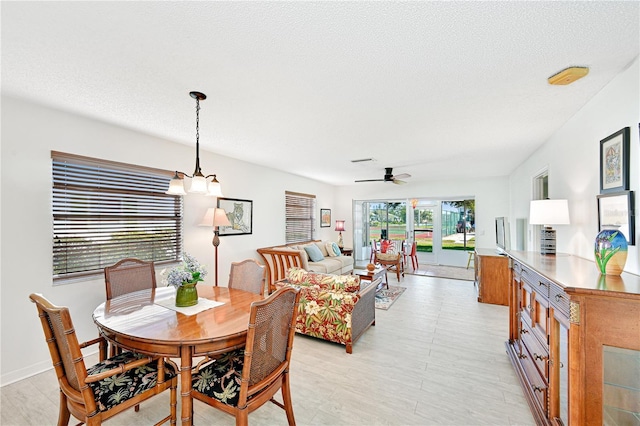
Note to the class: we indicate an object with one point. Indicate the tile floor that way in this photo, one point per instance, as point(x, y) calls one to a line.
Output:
point(436, 357)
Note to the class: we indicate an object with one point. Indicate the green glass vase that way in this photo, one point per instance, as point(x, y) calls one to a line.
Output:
point(187, 295)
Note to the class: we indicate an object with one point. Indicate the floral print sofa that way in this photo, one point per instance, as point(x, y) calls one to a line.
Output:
point(337, 308)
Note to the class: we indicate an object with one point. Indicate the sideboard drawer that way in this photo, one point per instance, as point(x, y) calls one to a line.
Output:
point(559, 299)
point(538, 386)
point(538, 352)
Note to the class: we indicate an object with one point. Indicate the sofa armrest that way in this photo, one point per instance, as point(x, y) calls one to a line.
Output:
point(364, 313)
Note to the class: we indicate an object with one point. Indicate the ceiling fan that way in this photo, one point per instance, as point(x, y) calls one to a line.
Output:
point(389, 177)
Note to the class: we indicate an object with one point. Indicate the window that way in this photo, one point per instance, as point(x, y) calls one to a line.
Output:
point(300, 217)
point(105, 211)
point(458, 225)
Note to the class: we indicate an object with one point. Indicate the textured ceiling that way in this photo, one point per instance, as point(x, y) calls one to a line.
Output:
point(305, 87)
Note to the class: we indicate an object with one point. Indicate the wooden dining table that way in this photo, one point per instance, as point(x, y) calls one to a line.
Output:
point(147, 322)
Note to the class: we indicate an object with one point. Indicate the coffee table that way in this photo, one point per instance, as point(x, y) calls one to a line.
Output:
point(367, 275)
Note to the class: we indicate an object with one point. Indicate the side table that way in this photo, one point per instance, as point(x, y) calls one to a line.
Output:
point(346, 251)
point(372, 276)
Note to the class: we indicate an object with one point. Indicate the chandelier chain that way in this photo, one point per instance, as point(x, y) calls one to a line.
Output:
point(197, 120)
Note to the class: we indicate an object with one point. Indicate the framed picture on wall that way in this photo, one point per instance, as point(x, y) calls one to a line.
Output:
point(325, 218)
point(614, 162)
point(617, 210)
point(239, 213)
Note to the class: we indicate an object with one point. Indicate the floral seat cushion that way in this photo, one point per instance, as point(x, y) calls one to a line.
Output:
point(348, 283)
point(221, 379)
point(113, 390)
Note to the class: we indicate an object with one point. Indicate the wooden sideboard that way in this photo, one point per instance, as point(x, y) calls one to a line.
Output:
point(574, 340)
point(492, 276)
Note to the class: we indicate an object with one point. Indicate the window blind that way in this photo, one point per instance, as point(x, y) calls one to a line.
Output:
point(105, 211)
point(300, 217)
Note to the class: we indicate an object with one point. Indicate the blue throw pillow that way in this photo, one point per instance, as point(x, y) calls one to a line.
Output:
point(336, 249)
point(314, 253)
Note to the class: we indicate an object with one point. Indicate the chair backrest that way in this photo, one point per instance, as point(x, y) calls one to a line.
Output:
point(397, 246)
point(129, 275)
point(248, 275)
point(269, 339)
point(64, 349)
point(414, 248)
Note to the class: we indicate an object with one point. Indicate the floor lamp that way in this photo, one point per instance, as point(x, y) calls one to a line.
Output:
point(215, 217)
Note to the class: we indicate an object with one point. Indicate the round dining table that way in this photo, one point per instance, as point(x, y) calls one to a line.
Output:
point(148, 322)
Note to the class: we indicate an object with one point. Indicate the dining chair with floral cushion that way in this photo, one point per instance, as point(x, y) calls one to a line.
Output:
point(126, 276)
point(99, 392)
point(244, 379)
point(248, 275)
point(129, 275)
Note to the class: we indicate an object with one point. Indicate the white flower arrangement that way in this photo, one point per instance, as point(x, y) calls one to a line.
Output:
point(190, 271)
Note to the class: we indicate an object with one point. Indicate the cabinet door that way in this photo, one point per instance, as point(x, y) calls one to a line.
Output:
point(559, 367)
point(535, 310)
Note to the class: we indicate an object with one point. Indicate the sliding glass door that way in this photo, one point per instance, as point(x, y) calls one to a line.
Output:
point(443, 230)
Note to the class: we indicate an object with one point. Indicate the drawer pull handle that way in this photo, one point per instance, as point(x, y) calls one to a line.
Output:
point(558, 297)
point(540, 283)
point(538, 389)
point(522, 356)
point(523, 331)
point(539, 357)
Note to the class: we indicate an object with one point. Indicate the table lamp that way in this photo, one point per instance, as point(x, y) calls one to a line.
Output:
point(340, 228)
point(546, 213)
point(215, 217)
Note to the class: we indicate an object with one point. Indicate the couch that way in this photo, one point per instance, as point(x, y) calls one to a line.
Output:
point(337, 308)
point(279, 259)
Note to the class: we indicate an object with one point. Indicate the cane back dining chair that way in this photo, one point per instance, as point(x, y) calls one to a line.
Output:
point(244, 379)
point(392, 259)
point(248, 275)
point(126, 276)
point(95, 394)
point(129, 275)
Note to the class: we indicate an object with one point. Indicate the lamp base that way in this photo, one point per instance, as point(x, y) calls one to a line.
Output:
point(340, 243)
point(547, 240)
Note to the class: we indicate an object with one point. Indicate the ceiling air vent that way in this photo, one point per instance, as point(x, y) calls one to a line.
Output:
point(362, 160)
point(568, 76)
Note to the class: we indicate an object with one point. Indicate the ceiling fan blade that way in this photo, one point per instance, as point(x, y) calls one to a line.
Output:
point(402, 176)
point(399, 182)
point(370, 180)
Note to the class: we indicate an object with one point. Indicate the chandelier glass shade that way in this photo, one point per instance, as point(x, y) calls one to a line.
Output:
point(200, 183)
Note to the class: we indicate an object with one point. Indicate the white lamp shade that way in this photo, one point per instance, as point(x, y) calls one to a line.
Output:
point(176, 186)
point(549, 212)
point(198, 185)
point(214, 189)
point(215, 217)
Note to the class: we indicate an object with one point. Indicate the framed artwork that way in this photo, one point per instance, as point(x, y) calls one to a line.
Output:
point(614, 162)
point(240, 214)
point(618, 210)
point(325, 218)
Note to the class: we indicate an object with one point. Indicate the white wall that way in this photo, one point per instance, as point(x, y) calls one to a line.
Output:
point(29, 133)
point(572, 157)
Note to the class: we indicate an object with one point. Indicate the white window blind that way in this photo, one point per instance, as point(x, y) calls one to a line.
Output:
point(105, 211)
point(300, 217)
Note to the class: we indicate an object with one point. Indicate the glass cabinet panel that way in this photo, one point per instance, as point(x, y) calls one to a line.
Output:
point(621, 387)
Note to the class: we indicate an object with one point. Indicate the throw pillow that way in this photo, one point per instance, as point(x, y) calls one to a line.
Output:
point(333, 249)
point(314, 253)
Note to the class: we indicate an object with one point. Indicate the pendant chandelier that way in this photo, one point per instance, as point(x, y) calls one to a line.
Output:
point(199, 182)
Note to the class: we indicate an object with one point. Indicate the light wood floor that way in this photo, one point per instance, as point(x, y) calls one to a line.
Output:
point(436, 357)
